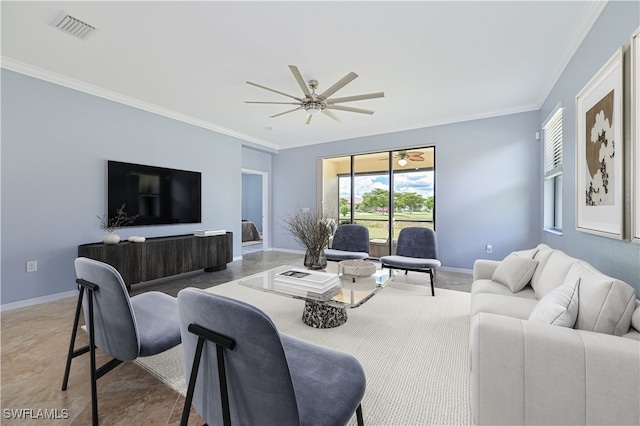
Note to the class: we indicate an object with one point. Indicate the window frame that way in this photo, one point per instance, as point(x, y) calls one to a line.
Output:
point(552, 159)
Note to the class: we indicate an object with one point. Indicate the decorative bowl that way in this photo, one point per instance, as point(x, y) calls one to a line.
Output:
point(357, 268)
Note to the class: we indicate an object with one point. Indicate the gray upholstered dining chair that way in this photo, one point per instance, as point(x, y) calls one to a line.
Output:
point(350, 241)
point(122, 327)
point(417, 250)
point(242, 371)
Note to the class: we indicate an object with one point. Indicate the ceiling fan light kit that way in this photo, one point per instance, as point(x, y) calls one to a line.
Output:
point(313, 103)
point(405, 156)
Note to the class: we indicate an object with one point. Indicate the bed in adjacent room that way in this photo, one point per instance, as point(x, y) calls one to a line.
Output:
point(250, 232)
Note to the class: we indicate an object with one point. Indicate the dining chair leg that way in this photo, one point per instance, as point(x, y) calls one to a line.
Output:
point(192, 382)
point(92, 351)
point(433, 293)
point(359, 415)
point(89, 348)
point(222, 343)
point(74, 331)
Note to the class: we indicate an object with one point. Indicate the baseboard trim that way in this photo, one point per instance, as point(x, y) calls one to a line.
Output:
point(37, 300)
point(451, 269)
point(286, 250)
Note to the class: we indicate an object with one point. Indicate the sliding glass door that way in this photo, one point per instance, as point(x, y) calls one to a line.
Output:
point(384, 191)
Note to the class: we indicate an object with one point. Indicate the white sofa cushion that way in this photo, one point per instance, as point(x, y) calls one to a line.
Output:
point(553, 272)
point(515, 271)
point(606, 304)
point(529, 254)
point(559, 307)
point(632, 334)
point(542, 256)
point(488, 286)
point(507, 305)
point(635, 318)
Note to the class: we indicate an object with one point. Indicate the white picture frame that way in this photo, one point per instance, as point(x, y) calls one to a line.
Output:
point(635, 135)
point(600, 152)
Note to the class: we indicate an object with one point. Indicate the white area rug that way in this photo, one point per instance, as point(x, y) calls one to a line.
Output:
point(414, 349)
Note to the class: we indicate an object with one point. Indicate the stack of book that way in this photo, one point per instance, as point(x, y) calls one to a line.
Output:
point(209, 232)
point(316, 282)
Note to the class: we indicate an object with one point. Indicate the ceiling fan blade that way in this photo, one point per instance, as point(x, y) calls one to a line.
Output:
point(274, 91)
point(331, 114)
point(300, 80)
point(308, 120)
point(275, 103)
point(356, 98)
point(286, 112)
point(338, 85)
point(350, 109)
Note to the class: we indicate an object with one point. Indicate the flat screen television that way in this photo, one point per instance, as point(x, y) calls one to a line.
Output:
point(158, 195)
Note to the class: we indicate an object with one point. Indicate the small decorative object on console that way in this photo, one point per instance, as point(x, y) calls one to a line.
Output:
point(209, 232)
point(111, 224)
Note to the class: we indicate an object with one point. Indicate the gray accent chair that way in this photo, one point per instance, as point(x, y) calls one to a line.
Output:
point(242, 371)
point(350, 241)
point(122, 327)
point(417, 250)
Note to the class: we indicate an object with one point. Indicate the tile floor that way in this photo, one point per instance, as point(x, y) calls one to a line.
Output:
point(34, 343)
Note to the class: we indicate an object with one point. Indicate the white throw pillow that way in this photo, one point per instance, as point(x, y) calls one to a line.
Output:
point(529, 254)
point(559, 307)
point(635, 319)
point(515, 272)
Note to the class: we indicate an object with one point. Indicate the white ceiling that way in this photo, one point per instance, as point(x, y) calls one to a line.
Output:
point(436, 62)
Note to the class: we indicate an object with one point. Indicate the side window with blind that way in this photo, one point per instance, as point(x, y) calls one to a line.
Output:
point(552, 131)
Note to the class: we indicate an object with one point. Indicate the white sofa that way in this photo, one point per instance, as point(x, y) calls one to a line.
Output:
point(533, 371)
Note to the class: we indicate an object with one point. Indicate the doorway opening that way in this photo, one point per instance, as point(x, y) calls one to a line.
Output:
point(255, 211)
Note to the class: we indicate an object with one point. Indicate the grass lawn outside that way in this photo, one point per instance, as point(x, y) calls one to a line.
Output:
point(378, 223)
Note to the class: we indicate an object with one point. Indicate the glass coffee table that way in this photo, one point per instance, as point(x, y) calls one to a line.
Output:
point(327, 309)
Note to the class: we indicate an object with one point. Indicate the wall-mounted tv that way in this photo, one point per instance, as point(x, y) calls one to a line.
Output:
point(158, 195)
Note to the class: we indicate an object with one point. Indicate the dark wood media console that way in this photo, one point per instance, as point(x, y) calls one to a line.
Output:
point(163, 256)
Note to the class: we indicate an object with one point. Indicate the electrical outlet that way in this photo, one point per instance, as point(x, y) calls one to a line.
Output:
point(306, 210)
point(32, 266)
point(489, 248)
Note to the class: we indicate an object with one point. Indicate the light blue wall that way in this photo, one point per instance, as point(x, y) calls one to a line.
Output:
point(55, 143)
point(487, 183)
point(613, 29)
point(256, 159)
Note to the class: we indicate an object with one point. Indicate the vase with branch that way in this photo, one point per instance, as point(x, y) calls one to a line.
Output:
point(312, 231)
point(111, 224)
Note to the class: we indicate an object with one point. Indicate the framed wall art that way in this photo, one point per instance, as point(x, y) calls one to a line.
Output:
point(635, 135)
point(600, 153)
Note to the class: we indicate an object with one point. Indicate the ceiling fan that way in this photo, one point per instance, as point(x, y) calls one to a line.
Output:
point(405, 156)
point(313, 103)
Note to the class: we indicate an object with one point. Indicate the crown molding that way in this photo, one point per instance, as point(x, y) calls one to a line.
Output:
point(583, 25)
point(61, 80)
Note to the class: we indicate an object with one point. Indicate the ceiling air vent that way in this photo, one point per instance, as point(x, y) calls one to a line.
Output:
point(74, 26)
